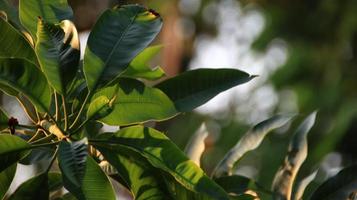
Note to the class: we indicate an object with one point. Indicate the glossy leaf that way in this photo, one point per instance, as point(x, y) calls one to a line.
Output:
point(196, 145)
point(6, 178)
point(250, 141)
point(100, 107)
point(194, 88)
point(95, 184)
point(13, 44)
point(49, 10)
point(138, 67)
point(21, 76)
point(297, 153)
point(142, 179)
point(3, 119)
point(164, 154)
point(72, 160)
point(117, 37)
point(12, 149)
point(58, 53)
point(133, 102)
point(34, 188)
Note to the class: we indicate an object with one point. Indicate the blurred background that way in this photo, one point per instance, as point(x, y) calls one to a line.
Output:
point(305, 53)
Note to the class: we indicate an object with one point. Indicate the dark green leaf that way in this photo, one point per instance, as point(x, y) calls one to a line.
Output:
point(339, 186)
point(3, 119)
point(100, 107)
point(6, 177)
point(138, 67)
point(49, 10)
point(34, 188)
point(132, 103)
point(57, 49)
point(117, 37)
point(236, 184)
point(194, 88)
point(37, 155)
point(164, 154)
point(250, 141)
point(13, 44)
point(21, 76)
point(54, 181)
point(95, 184)
point(12, 149)
point(284, 178)
point(72, 160)
point(11, 12)
point(138, 174)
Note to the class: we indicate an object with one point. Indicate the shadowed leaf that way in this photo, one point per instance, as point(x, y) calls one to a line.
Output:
point(34, 188)
point(12, 149)
point(6, 177)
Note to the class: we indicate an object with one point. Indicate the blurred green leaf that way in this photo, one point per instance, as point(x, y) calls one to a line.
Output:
point(6, 178)
point(4, 118)
point(117, 37)
point(12, 149)
point(194, 88)
point(57, 49)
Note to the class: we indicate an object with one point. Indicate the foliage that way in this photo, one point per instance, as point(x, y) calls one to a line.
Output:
point(68, 99)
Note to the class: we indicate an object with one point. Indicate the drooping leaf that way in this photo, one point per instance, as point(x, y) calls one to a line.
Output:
point(12, 149)
point(196, 145)
point(194, 88)
point(117, 37)
point(72, 160)
point(297, 153)
point(57, 49)
point(99, 108)
point(300, 188)
point(6, 177)
point(163, 154)
point(3, 119)
point(339, 186)
point(13, 44)
point(21, 76)
point(133, 102)
point(138, 174)
point(34, 188)
point(250, 141)
point(49, 10)
point(138, 67)
point(95, 184)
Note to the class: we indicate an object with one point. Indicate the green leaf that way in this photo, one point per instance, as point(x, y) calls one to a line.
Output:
point(99, 108)
point(4, 118)
point(49, 10)
point(117, 37)
point(138, 174)
point(21, 76)
point(339, 186)
point(236, 184)
point(95, 184)
point(34, 188)
point(12, 149)
point(164, 154)
point(58, 53)
point(13, 43)
point(297, 152)
point(11, 12)
point(72, 160)
point(133, 102)
point(6, 177)
point(37, 155)
point(196, 145)
point(250, 141)
point(54, 181)
point(138, 67)
point(194, 88)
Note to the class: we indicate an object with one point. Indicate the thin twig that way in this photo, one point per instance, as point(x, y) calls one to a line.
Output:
point(64, 112)
point(52, 160)
point(81, 110)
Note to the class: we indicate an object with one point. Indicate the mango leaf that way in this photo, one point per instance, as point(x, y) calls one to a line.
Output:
point(99, 108)
point(142, 179)
point(57, 49)
point(194, 88)
point(21, 76)
point(13, 44)
point(72, 160)
point(49, 10)
point(138, 67)
point(6, 177)
point(339, 186)
point(34, 188)
point(196, 145)
point(4, 118)
point(95, 184)
point(297, 153)
point(250, 141)
point(12, 149)
point(133, 102)
point(165, 155)
point(117, 37)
